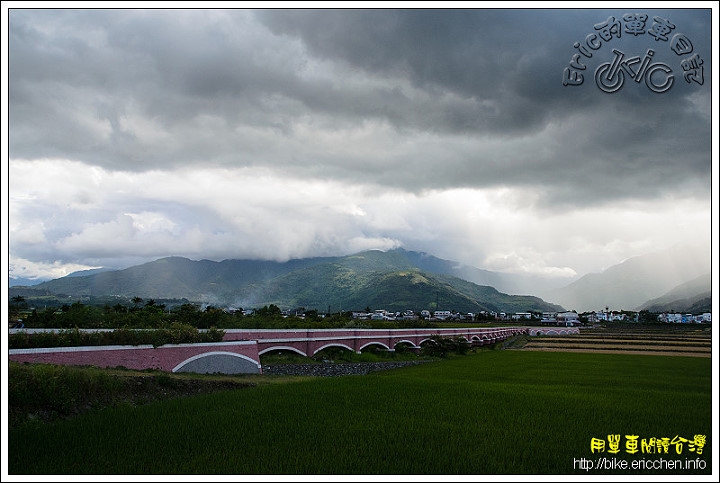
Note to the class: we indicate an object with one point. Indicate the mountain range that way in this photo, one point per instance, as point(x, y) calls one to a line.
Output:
point(395, 280)
point(392, 280)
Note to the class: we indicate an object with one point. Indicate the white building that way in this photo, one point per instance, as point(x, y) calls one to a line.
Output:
point(568, 318)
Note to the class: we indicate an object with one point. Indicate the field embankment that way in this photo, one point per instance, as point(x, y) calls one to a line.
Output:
point(666, 340)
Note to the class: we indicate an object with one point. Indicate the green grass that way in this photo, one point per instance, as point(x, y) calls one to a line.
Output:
point(494, 412)
point(57, 388)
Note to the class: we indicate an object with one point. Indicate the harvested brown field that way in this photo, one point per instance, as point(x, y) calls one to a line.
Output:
point(661, 339)
point(654, 352)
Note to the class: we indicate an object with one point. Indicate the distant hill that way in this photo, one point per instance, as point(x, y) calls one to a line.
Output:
point(693, 297)
point(92, 271)
point(173, 277)
point(389, 280)
point(23, 282)
point(631, 284)
point(31, 282)
point(364, 280)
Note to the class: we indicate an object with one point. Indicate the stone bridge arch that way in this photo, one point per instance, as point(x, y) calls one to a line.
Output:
point(406, 341)
point(373, 343)
point(282, 348)
point(220, 362)
point(552, 331)
point(338, 344)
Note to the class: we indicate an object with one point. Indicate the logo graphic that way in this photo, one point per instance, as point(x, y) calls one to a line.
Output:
point(611, 76)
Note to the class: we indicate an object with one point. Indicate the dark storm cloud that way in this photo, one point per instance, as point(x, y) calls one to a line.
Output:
point(285, 133)
point(476, 54)
point(479, 56)
point(419, 99)
point(505, 66)
point(465, 51)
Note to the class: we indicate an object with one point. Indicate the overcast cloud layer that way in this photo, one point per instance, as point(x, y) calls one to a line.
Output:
point(278, 134)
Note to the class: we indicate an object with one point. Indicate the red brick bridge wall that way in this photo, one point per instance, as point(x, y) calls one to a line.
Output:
point(240, 350)
point(224, 357)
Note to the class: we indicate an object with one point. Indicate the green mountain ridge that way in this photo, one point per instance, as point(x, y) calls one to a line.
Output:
point(693, 297)
point(388, 280)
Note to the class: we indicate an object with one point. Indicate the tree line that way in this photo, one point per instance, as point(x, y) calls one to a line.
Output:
point(147, 314)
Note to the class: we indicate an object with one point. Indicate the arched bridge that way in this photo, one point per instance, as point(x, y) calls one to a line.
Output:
point(240, 350)
point(308, 342)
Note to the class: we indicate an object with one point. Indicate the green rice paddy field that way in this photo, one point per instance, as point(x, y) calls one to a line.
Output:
point(493, 412)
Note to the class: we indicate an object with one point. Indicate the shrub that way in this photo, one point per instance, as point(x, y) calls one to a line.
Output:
point(438, 346)
point(176, 333)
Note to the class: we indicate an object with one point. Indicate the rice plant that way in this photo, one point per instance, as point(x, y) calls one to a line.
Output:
point(494, 412)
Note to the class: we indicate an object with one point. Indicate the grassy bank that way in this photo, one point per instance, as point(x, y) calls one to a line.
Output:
point(494, 412)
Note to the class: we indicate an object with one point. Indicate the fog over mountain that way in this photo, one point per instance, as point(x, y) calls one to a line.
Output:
point(694, 297)
point(395, 277)
point(630, 284)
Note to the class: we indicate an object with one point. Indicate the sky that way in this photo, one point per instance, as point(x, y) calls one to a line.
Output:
point(276, 133)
